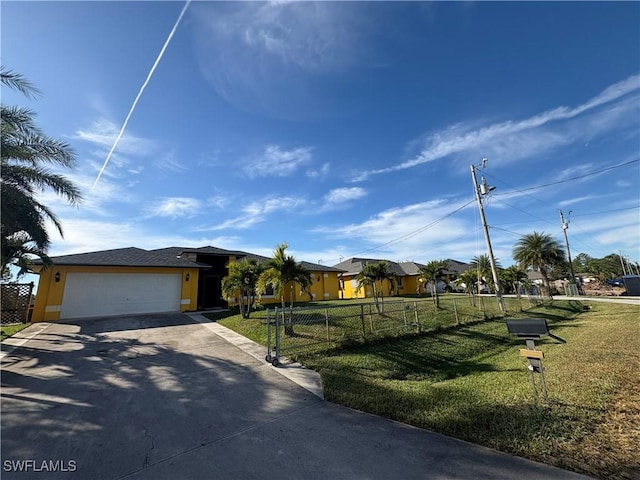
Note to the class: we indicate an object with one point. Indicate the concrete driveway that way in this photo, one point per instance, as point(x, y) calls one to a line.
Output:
point(165, 397)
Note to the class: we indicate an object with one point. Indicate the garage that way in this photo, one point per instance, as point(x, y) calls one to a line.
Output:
point(103, 294)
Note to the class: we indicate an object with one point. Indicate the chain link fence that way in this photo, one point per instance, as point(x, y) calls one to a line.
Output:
point(296, 331)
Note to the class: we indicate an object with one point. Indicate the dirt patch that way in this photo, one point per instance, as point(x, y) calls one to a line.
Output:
point(602, 289)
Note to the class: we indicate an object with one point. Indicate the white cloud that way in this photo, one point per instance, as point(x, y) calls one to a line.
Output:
point(277, 162)
point(98, 201)
point(82, 236)
point(513, 140)
point(175, 207)
point(341, 197)
point(584, 198)
point(260, 57)
point(218, 201)
point(402, 231)
point(323, 171)
point(103, 133)
point(169, 161)
point(257, 212)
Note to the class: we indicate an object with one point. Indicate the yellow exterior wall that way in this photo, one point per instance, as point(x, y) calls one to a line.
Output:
point(324, 286)
point(350, 288)
point(50, 293)
point(409, 285)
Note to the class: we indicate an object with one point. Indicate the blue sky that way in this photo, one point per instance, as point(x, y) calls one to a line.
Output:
point(343, 129)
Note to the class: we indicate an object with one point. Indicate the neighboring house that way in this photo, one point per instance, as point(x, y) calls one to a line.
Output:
point(535, 277)
point(133, 280)
point(407, 273)
point(324, 284)
point(348, 279)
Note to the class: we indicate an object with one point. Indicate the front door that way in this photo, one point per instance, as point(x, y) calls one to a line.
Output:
point(211, 291)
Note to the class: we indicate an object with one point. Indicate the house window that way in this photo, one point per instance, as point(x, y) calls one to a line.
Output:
point(399, 282)
point(268, 292)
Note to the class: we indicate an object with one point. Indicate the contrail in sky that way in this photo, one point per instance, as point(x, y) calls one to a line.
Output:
point(144, 85)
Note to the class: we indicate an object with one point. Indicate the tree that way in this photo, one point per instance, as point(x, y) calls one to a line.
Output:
point(538, 251)
point(581, 263)
point(241, 283)
point(606, 268)
point(432, 273)
point(481, 265)
point(283, 272)
point(374, 275)
point(25, 153)
point(513, 277)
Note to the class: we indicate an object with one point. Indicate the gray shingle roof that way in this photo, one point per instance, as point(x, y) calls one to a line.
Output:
point(214, 251)
point(127, 257)
point(314, 267)
point(353, 266)
point(162, 257)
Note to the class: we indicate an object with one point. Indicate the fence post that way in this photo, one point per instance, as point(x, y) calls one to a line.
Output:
point(364, 328)
point(268, 334)
point(371, 319)
point(415, 312)
point(326, 320)
point(404, 313)
point(455, 311)
point(277, 340)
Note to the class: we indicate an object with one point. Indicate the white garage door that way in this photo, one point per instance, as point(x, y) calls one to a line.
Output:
point(98, 294)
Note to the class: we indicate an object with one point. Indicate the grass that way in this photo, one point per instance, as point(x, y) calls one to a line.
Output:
point(8, 330)
point(468, 381)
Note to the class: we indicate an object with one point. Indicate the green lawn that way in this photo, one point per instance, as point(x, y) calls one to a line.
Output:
point(9, 330)
point(468, 381)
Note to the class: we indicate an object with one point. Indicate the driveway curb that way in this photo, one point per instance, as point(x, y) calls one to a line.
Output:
point(297, 373)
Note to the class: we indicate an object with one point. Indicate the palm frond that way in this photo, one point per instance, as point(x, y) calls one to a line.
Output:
point(18, 82)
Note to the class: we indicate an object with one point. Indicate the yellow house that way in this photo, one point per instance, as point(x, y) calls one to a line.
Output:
point(113, 282)
point(324, 284)
point(132, 280)
point(407, 274)
point(409, 281)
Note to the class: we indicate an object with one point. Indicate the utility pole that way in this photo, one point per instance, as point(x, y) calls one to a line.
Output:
point(624, 270)
point(483, 189)
point(565, 227)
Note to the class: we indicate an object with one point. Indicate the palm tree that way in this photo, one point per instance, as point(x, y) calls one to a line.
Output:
point(538, 251)
point(512, 277)
point(241, 283)
point(482, 266)
point(24, 154)
point(470, 280)
point(374, 275)
point(283, 271)
point(432, 273)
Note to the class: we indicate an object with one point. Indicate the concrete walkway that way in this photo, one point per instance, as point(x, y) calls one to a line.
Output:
point(172, 396)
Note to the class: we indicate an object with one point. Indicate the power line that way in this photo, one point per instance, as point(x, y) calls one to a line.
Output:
point(595, 172)
point(549, 221)
point(606, 211)
point(414, 232)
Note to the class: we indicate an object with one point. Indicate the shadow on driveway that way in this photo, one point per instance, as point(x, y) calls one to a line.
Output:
point(162, 397)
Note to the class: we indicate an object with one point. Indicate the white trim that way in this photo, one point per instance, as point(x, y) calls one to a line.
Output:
point(52, 308)
point(327, 295)
point(185, 301)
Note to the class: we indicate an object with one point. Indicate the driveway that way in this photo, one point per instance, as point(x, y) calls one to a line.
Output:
point(165, 397)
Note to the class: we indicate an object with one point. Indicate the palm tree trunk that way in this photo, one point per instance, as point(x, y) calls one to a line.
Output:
point(288, 323)
point(545, 280)
point(375, 296)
